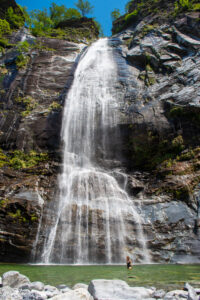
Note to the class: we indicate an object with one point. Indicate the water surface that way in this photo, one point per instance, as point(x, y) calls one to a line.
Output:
point(161, 276)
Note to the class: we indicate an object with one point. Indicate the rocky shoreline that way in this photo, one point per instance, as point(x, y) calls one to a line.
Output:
point(15, 286)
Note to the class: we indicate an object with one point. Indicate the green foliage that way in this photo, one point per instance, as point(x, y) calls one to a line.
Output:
point(16, 20)
point(3, 159)
point(149, 151)
point(196, 6)
point(28, 104)
point(129, 17)
point(177, 144)
point(84, 7)
point(115, 14)
point(4, 27)
point(21, 61)
point(54, 106)
point(20, 160)
point(40, 22)
point(72, 13)
point(99, 28)
point(4, 30)
point(59, 13)
point(23, 47)
point(182, 113)
point(43, 23)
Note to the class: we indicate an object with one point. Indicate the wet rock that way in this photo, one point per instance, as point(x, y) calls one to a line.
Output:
point(117, 290)
point(14, 279)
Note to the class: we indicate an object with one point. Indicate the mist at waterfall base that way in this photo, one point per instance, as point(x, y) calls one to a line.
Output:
point(93, 220)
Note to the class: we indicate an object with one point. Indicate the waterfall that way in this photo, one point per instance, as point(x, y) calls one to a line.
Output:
point(94, 217)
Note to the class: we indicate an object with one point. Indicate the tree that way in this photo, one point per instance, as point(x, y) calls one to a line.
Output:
point(59, 13)
point(115, 14)
point(84, 7)
point(72, 13)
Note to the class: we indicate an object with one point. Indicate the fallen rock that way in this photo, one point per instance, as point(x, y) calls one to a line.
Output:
point(14, 279)
point(102, 289)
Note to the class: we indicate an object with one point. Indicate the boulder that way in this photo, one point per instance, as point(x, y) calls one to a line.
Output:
point(102, 289)
point(14, 279)
point(80, 285)
point(8, 293)
point(51, 291)
point(159, 294)
point(176, 294)
point(192, 295)
point(33, 295)
point(37, 285)
point(78, 294)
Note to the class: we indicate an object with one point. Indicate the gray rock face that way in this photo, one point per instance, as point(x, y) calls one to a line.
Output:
point(14, 279)
point(117, 290)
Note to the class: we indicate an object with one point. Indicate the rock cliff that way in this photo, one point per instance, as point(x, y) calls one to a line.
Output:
point(159, 81)
point(159, 73)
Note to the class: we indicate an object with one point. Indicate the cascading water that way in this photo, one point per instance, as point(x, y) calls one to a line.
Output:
point(93, 218)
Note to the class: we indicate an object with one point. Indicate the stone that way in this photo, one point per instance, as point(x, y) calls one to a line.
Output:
point(78, 294)
point(176, 294)
point(61, 286)
point(37, 285)
point(8, 293)
point(51, 291)
point(80, 285)
point(33, 295)
point(102, 289)
point(192, 295)
point(14, 279)
point(158, 294)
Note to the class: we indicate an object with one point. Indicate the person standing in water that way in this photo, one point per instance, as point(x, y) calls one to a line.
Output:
point(128, 263)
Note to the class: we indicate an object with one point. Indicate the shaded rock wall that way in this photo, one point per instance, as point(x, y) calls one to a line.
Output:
point(24, 191)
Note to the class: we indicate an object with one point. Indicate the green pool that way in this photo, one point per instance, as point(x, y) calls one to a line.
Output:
point(160, 276)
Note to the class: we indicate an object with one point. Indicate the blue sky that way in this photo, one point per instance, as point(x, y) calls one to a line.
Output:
point(102, 9)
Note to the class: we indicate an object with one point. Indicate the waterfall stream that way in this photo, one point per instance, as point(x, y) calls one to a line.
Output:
point(94, 215)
